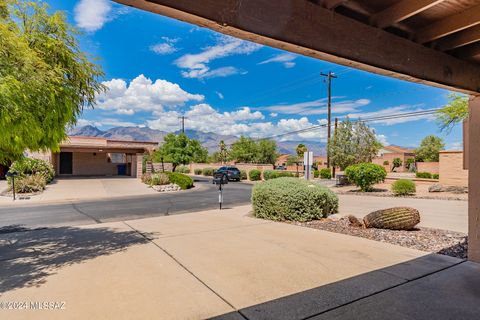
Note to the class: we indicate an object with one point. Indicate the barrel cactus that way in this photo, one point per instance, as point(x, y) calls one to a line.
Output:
point(399, 218)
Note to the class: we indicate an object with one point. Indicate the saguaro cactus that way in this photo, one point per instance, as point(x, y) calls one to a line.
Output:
point(398, 218)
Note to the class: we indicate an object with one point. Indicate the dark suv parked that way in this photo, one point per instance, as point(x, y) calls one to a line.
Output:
point(232, 173)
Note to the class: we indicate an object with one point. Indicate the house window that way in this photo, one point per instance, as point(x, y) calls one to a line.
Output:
point(118, 157)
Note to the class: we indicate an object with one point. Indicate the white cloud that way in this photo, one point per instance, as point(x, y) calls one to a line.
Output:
point(91, 15)
point(220, 95)
point(166, 47)
point(142, 94)
point(242, 121)
point(197, 65)
point(455, 145)
point(394, 111)
point(382, 139)
point(273, 114)
point(317, 107)
point(285, 58)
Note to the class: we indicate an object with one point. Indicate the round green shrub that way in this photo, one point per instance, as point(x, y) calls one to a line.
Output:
point(182, 169)
point(325, 173)
point(208, 172)
point(365, 175)
point(274, 174)
point(255, 175)
point(180, 179)
point(198, 171)
point(243, 175)
point(316, 173)
point(424, 175)
point(292, 199)
point(403, 187)
point(30, 166)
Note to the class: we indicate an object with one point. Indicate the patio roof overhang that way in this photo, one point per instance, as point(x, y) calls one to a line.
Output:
point(427, 41)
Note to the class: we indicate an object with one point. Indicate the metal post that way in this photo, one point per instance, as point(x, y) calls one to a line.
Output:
point(13, 187)
point(220, 195)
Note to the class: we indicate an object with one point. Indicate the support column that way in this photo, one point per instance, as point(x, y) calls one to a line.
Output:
point(474, 179)
point(138, 166)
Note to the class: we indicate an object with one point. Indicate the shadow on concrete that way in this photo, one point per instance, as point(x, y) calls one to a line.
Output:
point(429, 287)
point(29, 256)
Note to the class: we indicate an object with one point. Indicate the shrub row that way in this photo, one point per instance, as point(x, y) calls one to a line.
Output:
point(255, 175)
point(325, 173)
point(427, 175)
point(274, 174)
point(183, 169)
point(292, 199)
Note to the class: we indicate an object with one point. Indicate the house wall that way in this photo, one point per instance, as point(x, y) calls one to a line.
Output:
point(432, 167)
point(451, 169)
point(87, 164)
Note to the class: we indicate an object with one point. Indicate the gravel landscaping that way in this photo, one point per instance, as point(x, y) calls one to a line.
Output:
point(445, 242)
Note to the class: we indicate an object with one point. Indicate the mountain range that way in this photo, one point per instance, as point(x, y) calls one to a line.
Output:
point(209, 140)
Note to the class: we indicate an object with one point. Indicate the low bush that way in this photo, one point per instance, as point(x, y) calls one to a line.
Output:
point(365, 175)
point(386, 163)
point(424, 175)
point(208, 172)
point(29, 166)
point(30, 183)
point(182, 169)
point(147, 178)
point(198, 171)
point(435, 176)
point(325, 173)
point(255, 175)
point(316, 173)
point(180, 179)
point(403, 187)
point(292, 199)
point(159, 179)
point(243, 175)
point(274, 174)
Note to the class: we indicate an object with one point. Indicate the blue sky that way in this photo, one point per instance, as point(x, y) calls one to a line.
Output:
point(158, 68)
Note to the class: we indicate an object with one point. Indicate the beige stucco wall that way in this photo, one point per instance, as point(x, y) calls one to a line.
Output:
point(389, 157)
point(432, 167)
point(451, 169)
point(86, 163)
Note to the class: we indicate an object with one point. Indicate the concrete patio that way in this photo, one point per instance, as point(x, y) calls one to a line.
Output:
point(230, 266)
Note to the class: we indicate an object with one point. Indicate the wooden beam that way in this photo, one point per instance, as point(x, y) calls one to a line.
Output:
point(459, 39)
point(401, 11)
point(474, 180)
point(332, 4)
point(457, 22)
point(311, 30)
point(468, 52)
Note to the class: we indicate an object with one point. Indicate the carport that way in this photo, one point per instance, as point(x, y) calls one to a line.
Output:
point(434, 42)
point(92, 156)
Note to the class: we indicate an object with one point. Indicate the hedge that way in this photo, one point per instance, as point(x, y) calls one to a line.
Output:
point(208, 172)
point(274, 174)
point(198, 171)
point(365, 175)
point(182, 169)
point(255, 175)
point(243, 175)
point(403, 187)
point(292, 199)
point(325, 173)
point(424, 175)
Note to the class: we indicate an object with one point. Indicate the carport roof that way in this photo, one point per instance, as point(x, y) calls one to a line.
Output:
point(79, 143)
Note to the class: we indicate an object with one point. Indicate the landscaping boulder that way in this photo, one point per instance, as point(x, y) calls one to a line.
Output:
point(435, 188)
point(398, 218)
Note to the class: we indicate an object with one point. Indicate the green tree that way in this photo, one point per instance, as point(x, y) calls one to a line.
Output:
point(454, 112)
point(429, 149)
point(301, 149)
point(45, 80)
point(397, 163)
point(222, 155)
point(267, 152)
point(179, 149)
point(352, 143)
point(244, 150)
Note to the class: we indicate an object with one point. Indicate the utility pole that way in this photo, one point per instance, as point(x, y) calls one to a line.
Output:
point(183, 123)
point(336, 125)
point(329, 77)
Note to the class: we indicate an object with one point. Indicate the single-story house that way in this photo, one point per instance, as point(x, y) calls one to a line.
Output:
point(94, 156)
point(388, 153)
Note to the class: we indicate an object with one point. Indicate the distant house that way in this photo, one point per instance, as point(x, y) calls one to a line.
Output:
point(387, 153)
point(93, 156)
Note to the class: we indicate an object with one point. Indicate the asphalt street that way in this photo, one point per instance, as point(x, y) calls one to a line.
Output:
point(135, 207)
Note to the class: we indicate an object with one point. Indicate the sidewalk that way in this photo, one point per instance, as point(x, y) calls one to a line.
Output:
point(226, 265)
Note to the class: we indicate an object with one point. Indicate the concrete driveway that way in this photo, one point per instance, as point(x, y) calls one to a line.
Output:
point(440, 214)
point(207, 264)
point(71, 189)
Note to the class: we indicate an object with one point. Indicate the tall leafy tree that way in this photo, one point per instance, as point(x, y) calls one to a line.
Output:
point(45, 80)
point(454, 112)
point(352, 143)
point(244, 150)
point(267, 152)
point(429, 149)
point(301, 149)
point(222, 152)
point(179, 149)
